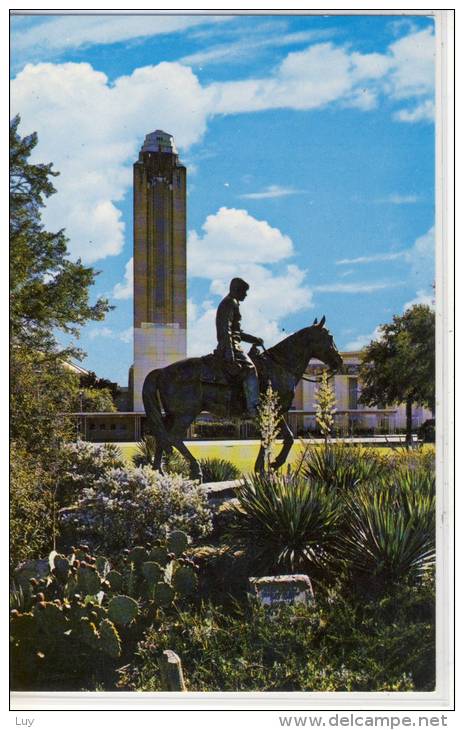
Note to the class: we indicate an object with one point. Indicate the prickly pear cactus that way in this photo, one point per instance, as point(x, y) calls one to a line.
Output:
point(102, 565)
point(122, 610)
point(110, 641)
point(177, 542)
point(151, 571)
point(163, 594)
point(88, 580)
point(159, 555)
point(61, 568)
point(184, 580)
point(137, 555)
point(114, 579)
point(50, 618)
point(87, 632)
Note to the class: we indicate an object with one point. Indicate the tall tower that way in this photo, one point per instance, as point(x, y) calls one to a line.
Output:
point(160, 284)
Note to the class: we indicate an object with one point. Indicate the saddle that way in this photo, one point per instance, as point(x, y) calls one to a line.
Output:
point(215, 371)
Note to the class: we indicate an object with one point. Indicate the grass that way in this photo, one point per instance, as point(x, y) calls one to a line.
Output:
point(241, 453)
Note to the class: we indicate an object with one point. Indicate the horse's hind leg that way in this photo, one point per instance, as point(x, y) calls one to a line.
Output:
point(158, 459)
point(177, 432)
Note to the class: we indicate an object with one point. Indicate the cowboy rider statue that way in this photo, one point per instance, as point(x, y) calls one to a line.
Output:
point(230, 335)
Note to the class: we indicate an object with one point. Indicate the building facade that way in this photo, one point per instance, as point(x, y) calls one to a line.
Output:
point(160, 271)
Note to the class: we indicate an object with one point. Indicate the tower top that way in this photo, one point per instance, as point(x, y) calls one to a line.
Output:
point(159, 141)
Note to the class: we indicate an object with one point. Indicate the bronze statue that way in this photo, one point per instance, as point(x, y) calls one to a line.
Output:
point(229, 336)
point(188, 387)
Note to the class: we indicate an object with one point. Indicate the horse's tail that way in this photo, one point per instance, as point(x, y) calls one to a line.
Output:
point(151, 404)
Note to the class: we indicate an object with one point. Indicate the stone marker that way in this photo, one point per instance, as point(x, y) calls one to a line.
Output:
point(274, 590)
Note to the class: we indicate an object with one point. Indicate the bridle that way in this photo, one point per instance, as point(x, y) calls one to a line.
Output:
point(331, 374)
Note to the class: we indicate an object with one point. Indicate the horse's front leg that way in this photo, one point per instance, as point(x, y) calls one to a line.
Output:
point(288, 440)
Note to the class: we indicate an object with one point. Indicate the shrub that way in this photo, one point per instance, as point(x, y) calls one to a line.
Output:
point(82, 464)
point(383, 645)
point(426, 431)
point(283, 523)
point(31, 507)
point(218, 470)
point(136, 505)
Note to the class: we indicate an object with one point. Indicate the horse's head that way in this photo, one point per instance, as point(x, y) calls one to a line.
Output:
point(323, 345)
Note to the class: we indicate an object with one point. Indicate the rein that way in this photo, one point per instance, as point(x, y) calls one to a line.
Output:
point(308, 380)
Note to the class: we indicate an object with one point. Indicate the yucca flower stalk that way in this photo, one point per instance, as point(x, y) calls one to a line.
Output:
point(268, 420)
point(325, 406)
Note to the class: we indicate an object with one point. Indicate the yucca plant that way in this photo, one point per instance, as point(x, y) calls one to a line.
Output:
point(340, 467)
point(282, 523)
point(173, 463)
point(388, 534)
point(218, 470)
point(145, 454)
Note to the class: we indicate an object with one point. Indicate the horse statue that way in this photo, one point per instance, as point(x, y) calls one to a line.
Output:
point(187, 387)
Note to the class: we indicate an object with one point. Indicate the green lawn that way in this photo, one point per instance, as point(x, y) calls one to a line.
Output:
point(241, 453)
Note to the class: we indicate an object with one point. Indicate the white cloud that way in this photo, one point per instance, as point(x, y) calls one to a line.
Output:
point(248, 46)
point(126, 335)
point(362, 340)
point(422, 297)
point(92, 129)
point(424, 112)
point(396, 199)
point(272, 191)
point(69, 32)
point(374, 258)
point(233, 243)
point(421, 257)
point(92, 134)
point(97, 332)
point(357, 287)
point(125, 290)
point(233, 237)
point(108, 333)
point(413, 64)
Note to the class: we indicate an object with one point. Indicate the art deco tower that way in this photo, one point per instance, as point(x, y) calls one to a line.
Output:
point(160, 286)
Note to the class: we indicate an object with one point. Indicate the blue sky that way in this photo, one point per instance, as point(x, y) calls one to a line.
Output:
point(309, 145)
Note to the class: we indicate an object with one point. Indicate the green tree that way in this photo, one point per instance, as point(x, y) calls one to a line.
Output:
point(94, 400)
point(325, 406)
point(400, 366)
point(49, 294)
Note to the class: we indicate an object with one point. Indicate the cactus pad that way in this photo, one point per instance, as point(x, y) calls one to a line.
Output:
point(88, 581)
point(163, 594)
point(110, 641)
point(87, 632)
point(184, 580)
point(50, 618)
point(102, 565)
point(137, 555)
point(177, 542)
point(114, 578)
point(122, 609)
point(61, 566)
point(159, 555)
point(151, 572)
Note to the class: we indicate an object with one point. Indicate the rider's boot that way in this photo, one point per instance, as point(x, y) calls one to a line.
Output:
point(251, 389)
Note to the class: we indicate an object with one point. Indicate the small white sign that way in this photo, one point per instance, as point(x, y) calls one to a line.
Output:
point(274, 590)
